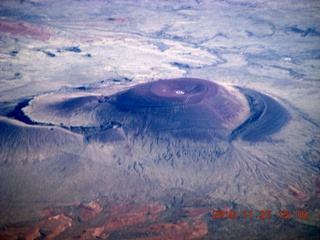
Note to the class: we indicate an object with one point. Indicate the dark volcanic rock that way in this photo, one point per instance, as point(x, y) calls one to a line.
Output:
point(192, 109)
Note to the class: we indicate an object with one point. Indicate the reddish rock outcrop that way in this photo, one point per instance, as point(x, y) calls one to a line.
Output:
point(89, 210)
point(25, 30)
point(297, 194)
point(55, 225)
point(16, 232)
point(121, 217)
point(47, 229)
point(178, 230)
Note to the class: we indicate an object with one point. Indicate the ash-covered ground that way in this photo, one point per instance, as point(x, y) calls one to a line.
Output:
point(142, 119)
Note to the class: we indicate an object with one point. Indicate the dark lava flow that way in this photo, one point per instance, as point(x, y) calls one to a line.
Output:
point(266, 117)
point(18, 114)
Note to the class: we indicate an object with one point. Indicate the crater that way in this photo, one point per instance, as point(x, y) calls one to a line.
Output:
point(183, 108)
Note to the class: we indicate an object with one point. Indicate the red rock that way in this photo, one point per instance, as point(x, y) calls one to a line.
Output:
point(178, 230)
point(47, 212)
point(53, 226)
point(25, 30)
point(27, 233)
point(95, 233)
point(89, 210)
point(124, 216)
point(297, 194)
point(196, 212)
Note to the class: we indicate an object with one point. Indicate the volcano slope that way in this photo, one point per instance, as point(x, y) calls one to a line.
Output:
point(179, 143)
